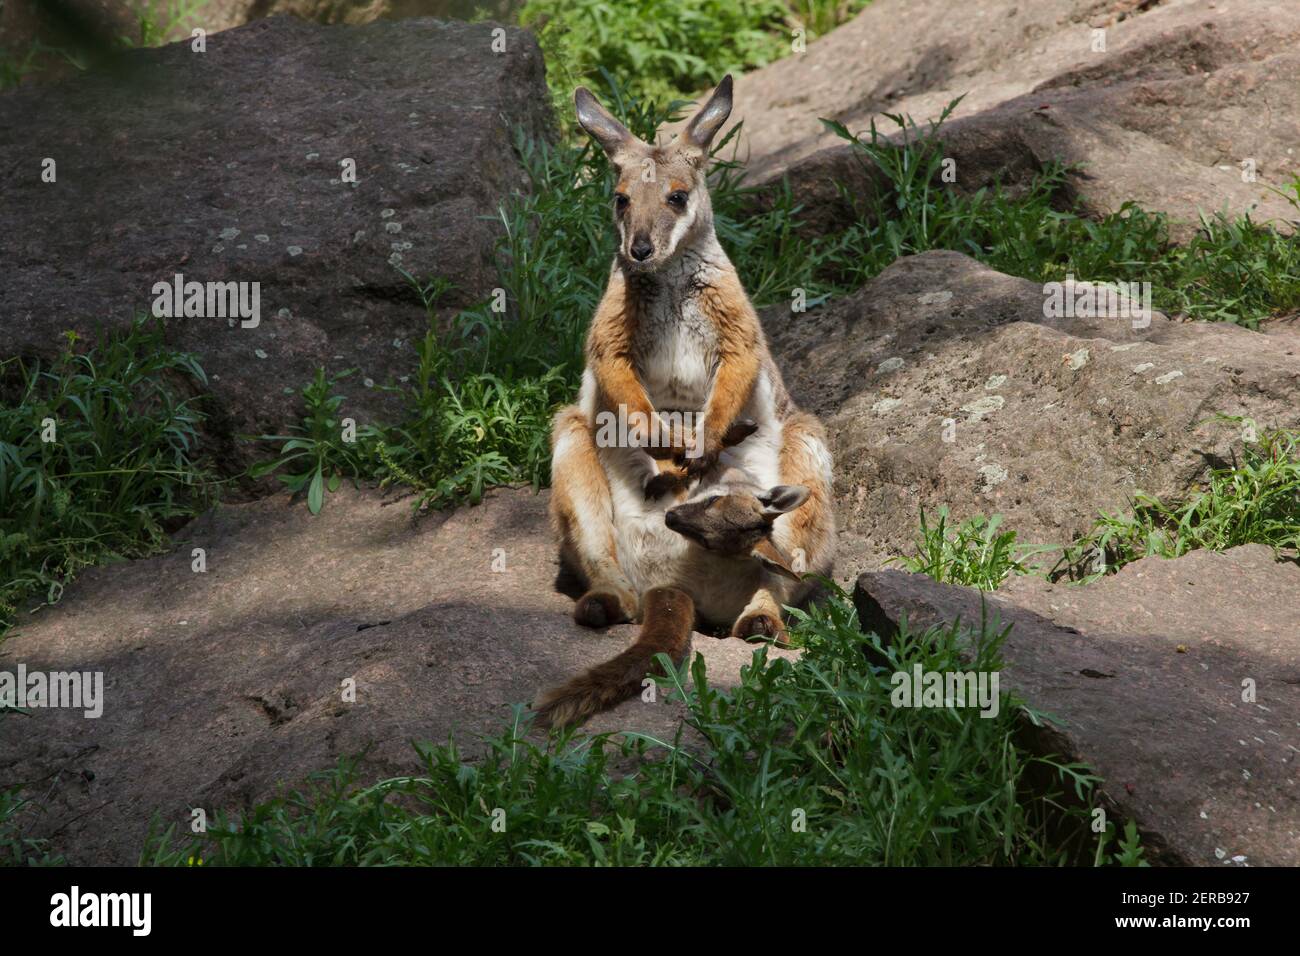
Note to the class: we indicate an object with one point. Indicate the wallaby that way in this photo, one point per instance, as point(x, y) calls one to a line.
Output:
point(676, 336)
point(728, 526)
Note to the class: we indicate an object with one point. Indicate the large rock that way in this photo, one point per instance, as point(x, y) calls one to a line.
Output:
point(223, 686)
point(1178, 681)
point(225, 166)
point(1050, 420)
point(37, 33)
point(1184, 92)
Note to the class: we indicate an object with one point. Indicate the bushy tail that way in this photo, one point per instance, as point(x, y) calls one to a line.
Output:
point(669, 616)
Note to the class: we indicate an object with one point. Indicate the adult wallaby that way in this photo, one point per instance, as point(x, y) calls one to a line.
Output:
point(675, 335)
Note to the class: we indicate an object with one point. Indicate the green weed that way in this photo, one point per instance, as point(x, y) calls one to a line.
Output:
point(98, 459)
point(1255, 500)
point(321, 451)
point(16, 848)
point(1231, 270)
point(670, 49)
point(975, 553)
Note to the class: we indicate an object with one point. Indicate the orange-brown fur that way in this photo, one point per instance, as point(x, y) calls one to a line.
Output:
point(740, 369)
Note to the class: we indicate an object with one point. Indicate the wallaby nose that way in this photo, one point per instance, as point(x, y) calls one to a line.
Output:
point(641, 249)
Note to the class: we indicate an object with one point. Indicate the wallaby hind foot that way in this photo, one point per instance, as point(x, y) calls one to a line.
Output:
point(603, 609)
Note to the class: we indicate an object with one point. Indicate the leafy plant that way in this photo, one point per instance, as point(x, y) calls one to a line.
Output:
point(1231, 270)
point(1253, 501)
point(976, 553)
point(17, 849)
point(98, 458)
point(665, 49)
point(1130, 848)
point(321, 451)
point(158, 18)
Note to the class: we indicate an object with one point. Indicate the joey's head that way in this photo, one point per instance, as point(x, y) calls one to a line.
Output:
point(735, 523)
point(661, 200)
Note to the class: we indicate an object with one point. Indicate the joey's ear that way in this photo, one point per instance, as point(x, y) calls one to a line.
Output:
point(768, 556)
point(706, 123)
point(781, 499)
point(612, 135)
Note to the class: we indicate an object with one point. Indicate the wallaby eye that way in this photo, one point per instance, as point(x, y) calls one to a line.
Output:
point(677, 199)
point(620, 202)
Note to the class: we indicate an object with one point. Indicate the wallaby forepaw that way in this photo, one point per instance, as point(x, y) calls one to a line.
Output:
point(700, 464)
point(759, 626)
point(601, 609)
point(663, 483)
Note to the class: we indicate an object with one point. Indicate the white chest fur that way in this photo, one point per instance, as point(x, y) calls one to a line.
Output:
point(676, 350)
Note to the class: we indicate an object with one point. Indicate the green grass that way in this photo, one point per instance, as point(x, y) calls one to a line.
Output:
point(670, 49)
point(1255, 500)
point(16, 848)
point(975, 553)
point(806, 762)
point(1232, 270)
point(121, 471)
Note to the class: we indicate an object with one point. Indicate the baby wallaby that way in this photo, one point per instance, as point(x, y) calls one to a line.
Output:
point(735, 520)
point(732, 520)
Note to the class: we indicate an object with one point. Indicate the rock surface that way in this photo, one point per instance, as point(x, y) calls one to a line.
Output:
point(1183, 93)
point(223, 686)
point(225, 166)
point(1050, 420)
point(224, 14)
point(1145, 675)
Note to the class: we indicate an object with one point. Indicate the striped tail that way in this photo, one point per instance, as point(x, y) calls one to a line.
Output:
point(669, 617)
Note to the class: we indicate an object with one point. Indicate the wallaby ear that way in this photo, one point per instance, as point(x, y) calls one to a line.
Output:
point(766, 553)
point(612, 135)
point(706, 123)
point(781, 499)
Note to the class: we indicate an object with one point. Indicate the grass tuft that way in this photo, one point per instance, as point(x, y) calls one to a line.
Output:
point(1255, 500)
point(975, 553)
point(98, 459)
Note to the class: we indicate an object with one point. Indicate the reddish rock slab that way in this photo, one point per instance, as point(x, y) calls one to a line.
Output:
point(224, 687)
